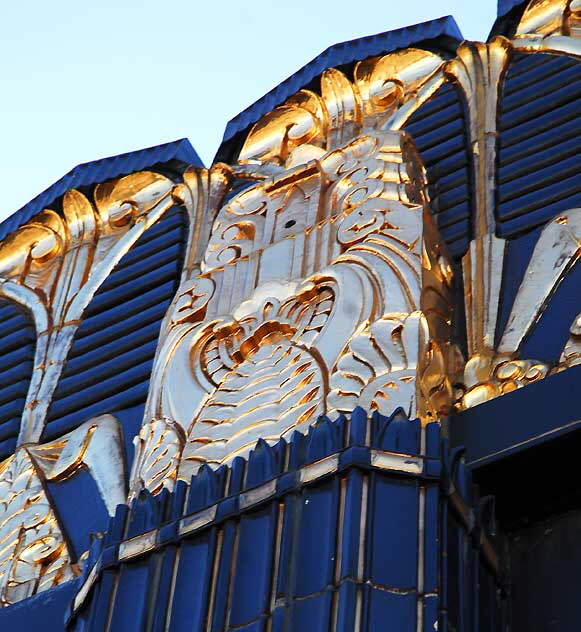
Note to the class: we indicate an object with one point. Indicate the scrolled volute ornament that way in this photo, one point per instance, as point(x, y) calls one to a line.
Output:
point(488, 376)
point(309, 124)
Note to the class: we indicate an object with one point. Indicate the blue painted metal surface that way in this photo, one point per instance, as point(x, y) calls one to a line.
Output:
point(42, 613)
point(17, 343)
point(442, 34)
point(172, 155)
point(282, 545)
point(491, 431)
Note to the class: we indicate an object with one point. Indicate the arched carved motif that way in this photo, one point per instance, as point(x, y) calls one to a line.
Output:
point(384, 91)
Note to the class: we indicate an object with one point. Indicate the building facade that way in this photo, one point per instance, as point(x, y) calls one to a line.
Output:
point(326, 383)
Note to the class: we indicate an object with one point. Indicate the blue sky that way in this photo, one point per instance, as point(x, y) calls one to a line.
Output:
point(87, 80)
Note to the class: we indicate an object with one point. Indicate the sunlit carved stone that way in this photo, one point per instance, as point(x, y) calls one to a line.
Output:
point(308, 124)
point(299, 270)
point(546, 17)
point(571, 355)
point(33, 553)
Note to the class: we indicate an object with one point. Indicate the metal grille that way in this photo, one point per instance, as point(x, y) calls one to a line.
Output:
point(439, 131)
point(17, 343)
point(539, 170)
point(110, 362)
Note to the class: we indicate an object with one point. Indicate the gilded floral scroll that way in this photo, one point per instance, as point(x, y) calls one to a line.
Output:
point(320, 286)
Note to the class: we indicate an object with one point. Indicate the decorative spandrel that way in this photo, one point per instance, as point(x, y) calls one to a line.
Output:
point(53, 266)
point(321, 285)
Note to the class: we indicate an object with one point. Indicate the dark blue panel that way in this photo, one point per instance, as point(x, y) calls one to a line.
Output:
point(312, 614)
point(252, 579)
point(431, 615)
point(160, 604)
point(547, 339)
point(444, 28)
point(504, 6)
point(388, 611)
point(194, 574)
point(351, 525)
point(257, 626)
point(288, 542)
point(539, 174)
point(264, 462)
point(80, 509)
point(325, 437)
point(17, 345)
point(439, 132)
point(176, 154)
point(392, 538)
point(45, 611)
point(517, 256)
point(395, 433)
point(132, 397)
point(433, 440)
point(132, 586)
point(110, 362)
point(347, 607)
point(146, 512)
point(316, 546)
point(226, 562)
point(540, 411)
point(206, 487)
point(431, 544)
point(455, 573)
point(130, 420)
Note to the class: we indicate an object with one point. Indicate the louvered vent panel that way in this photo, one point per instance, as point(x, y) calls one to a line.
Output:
point(540, 134)
point(17, 344)
point(110, 363)
point(439, 130)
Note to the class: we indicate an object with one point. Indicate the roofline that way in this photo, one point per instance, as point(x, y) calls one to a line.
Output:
point(85, 174)
point(441, 34)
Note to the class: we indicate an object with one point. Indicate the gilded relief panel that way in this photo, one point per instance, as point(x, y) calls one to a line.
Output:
point(319, 287)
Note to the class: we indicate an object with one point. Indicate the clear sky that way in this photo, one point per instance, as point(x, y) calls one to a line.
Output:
point(85, 80)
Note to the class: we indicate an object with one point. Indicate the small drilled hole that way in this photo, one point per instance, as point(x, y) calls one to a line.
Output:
point(290, 223)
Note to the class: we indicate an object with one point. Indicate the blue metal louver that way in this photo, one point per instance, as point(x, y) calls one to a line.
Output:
point(17, 344)
point(439, 130)
point(539, 171)
point(110, 362)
